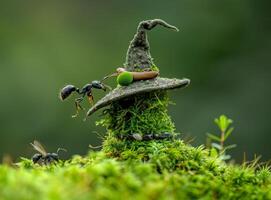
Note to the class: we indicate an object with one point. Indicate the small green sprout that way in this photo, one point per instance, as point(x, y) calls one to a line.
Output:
point(218, 147)
point(125, 78)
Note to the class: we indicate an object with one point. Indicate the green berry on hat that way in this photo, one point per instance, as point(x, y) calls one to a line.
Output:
point(125, 78)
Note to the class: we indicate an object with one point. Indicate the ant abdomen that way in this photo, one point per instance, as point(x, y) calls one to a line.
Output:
point(66, 91)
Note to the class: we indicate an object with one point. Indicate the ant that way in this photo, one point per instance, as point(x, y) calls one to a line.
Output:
point(85, 91)
point(43, 157)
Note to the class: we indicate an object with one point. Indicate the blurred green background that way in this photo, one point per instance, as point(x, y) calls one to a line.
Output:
point(224, 47)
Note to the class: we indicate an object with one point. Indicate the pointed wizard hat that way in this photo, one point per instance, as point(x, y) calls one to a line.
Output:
point(139, 59)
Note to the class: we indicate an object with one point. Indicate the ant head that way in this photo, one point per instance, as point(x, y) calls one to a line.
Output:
point(98, 85)
point(66, 91)
point(36, 157)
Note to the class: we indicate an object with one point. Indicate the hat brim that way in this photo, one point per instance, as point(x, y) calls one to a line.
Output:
point(138, 87)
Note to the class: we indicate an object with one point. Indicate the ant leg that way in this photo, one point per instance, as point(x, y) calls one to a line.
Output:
point(78, 106)
point(77, 111)
point(90, 98)
point(91, 101)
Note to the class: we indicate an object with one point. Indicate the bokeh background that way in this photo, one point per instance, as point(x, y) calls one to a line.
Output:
point(224, 47)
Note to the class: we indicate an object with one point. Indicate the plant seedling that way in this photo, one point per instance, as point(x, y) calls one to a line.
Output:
point(218, 147)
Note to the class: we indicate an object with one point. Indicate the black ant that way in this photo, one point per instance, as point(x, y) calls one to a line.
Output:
point(43, 157)
point(85, 91)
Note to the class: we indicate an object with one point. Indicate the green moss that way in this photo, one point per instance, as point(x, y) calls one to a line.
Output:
point(164, 155)
point(143, 114)
point(143, 170)
point(154, 68)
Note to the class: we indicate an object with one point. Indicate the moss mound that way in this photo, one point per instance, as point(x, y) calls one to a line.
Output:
point(143, 170)
point(142, 114)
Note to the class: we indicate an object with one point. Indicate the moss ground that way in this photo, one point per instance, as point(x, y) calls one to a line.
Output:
point(141, 170)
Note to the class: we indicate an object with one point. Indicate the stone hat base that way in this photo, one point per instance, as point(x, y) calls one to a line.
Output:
point(138, 87)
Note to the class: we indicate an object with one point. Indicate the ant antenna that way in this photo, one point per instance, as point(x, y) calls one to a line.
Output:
point(116, 73)
point(61, 149)
point(109, 76)
point(94, 147)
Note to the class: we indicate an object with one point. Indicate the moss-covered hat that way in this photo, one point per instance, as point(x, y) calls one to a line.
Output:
point(139, 59)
